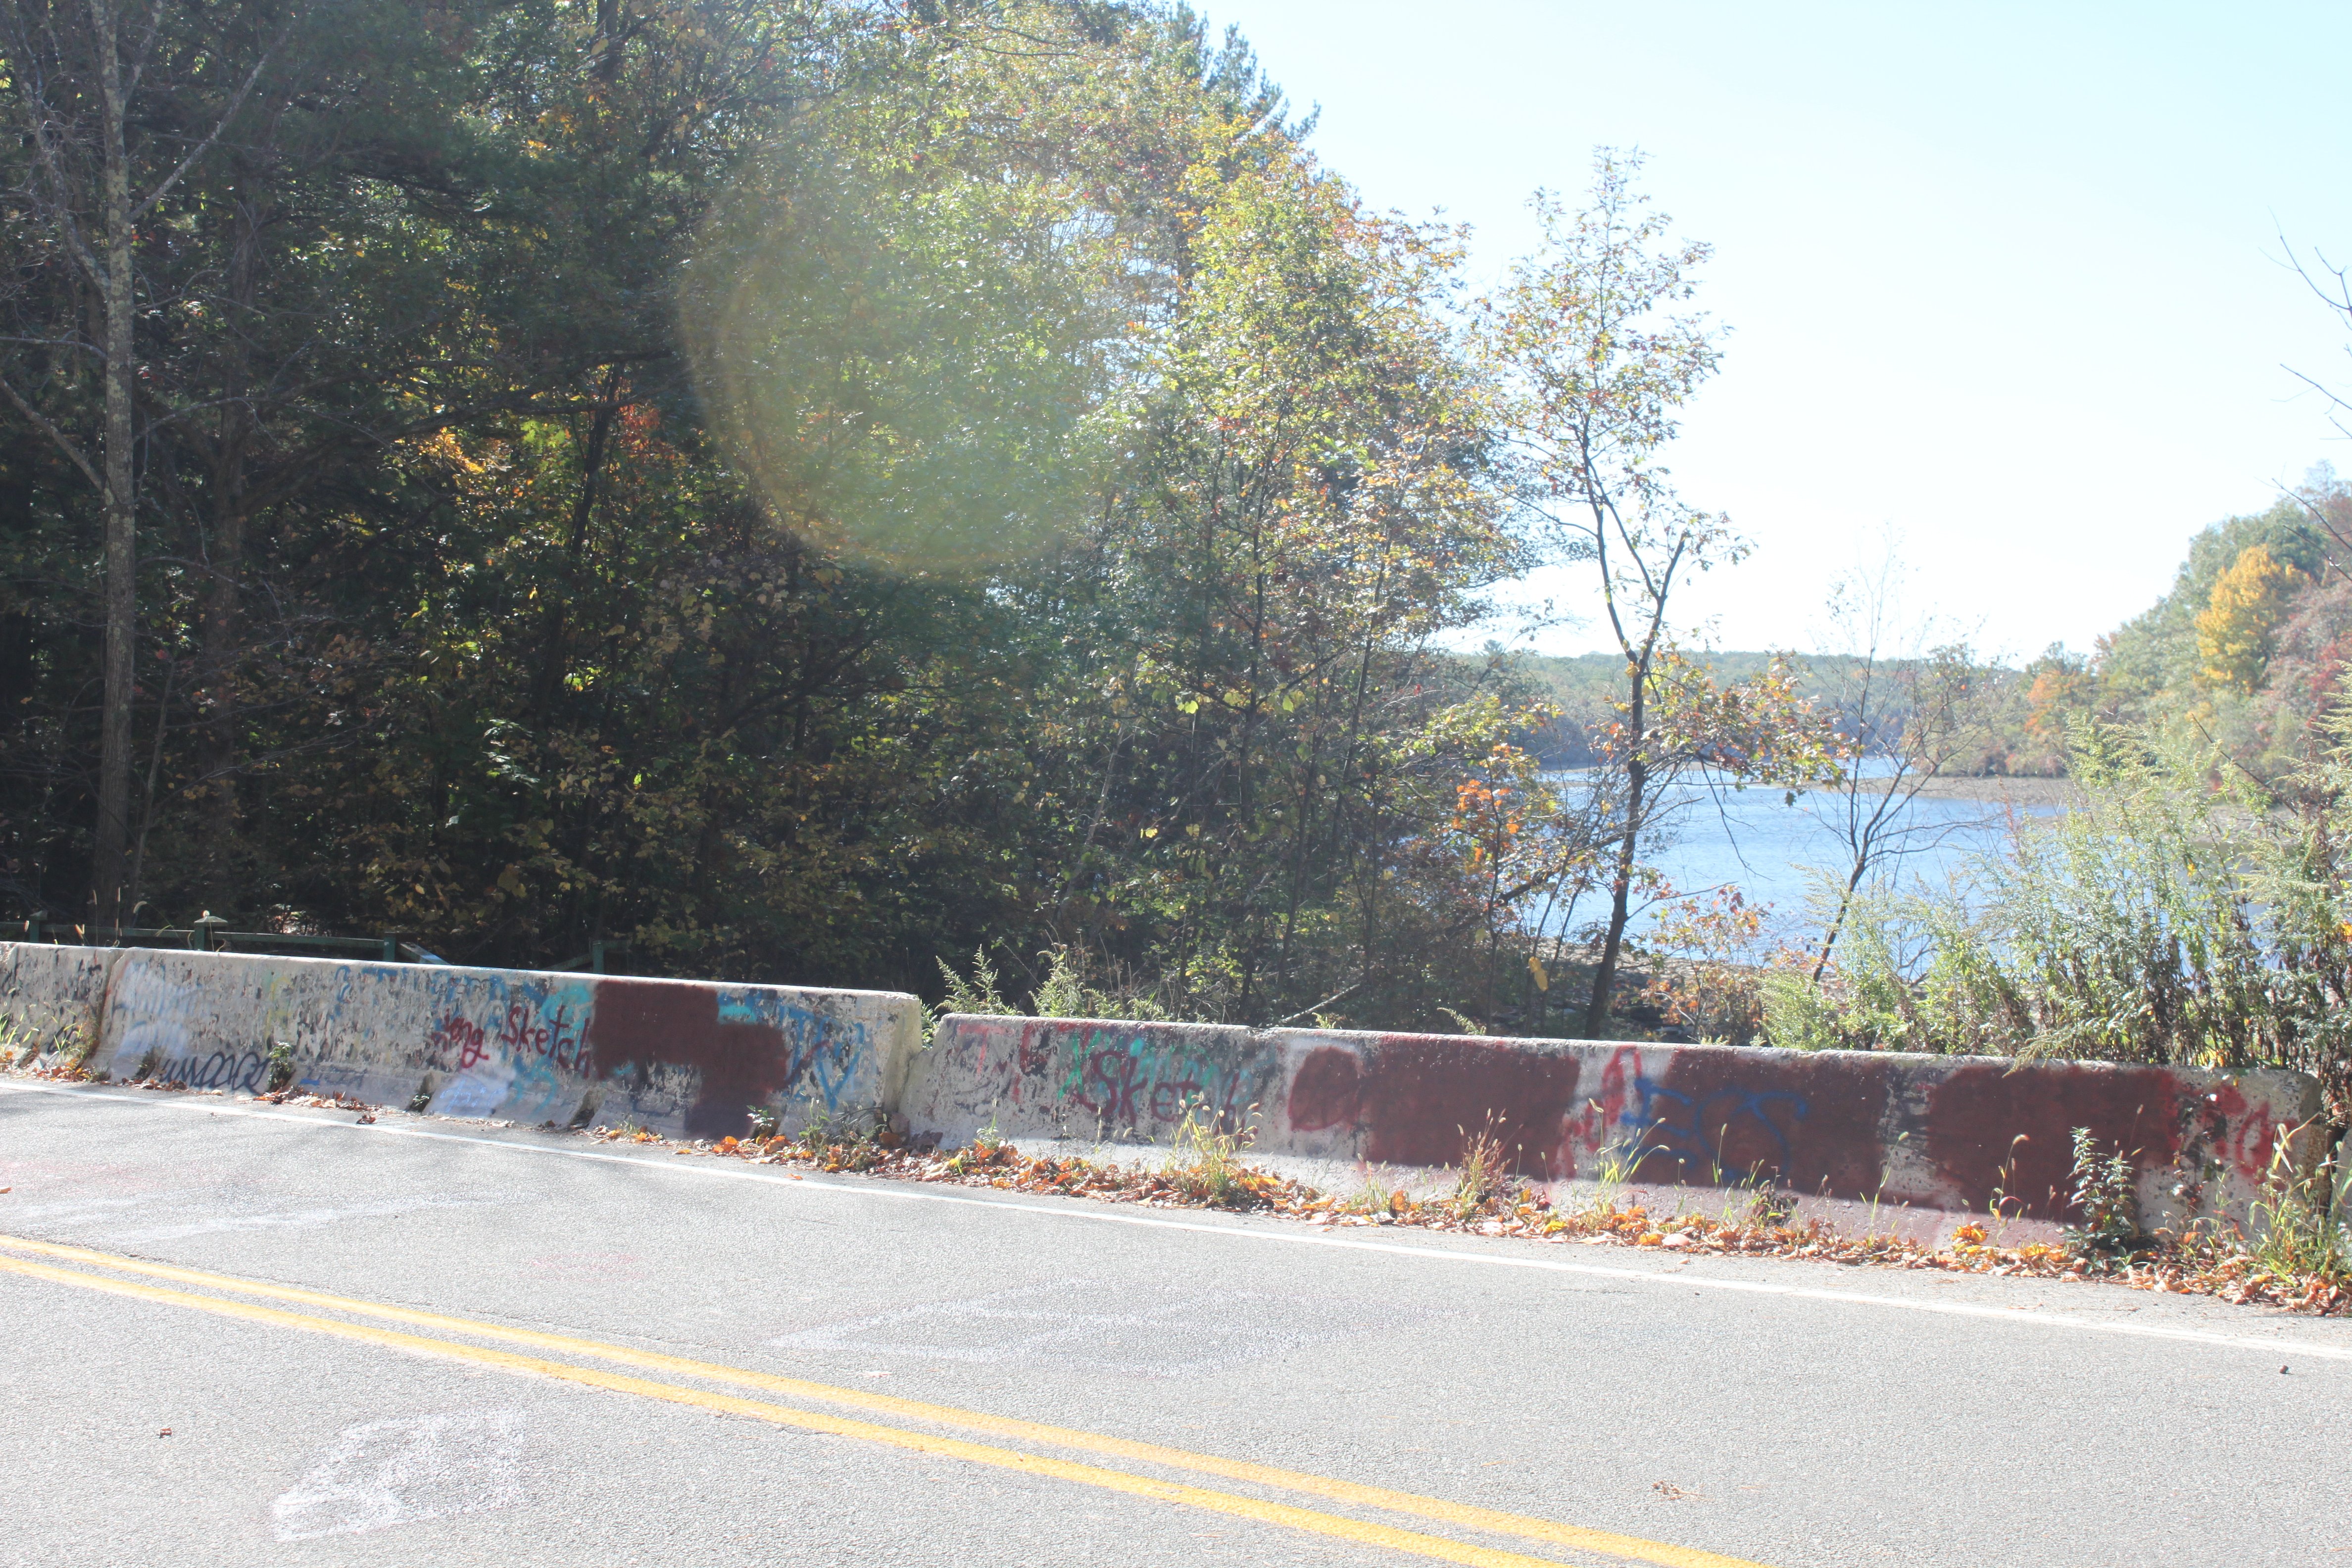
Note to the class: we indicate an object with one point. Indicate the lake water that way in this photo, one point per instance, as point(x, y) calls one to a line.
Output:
point(1756, 841)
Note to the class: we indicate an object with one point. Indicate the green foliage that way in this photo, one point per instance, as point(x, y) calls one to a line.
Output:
point(1065, 992)
point(906, 311)
point(801, 492)
point(2297, 1222)
point(1484, 1174)
point(2105, 1197)
point(2248, 649)
point(976, 996)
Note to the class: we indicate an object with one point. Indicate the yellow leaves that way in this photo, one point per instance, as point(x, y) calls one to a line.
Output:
point(1536, 972)
point(2241, 620)
point(444, 447)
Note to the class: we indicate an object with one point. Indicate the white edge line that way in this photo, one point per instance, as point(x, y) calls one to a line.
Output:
point(910, 1193)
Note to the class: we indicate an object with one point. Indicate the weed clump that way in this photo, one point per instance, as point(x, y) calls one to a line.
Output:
point(1204, 1161)
point(2103, 1190)
point(1483, 1177)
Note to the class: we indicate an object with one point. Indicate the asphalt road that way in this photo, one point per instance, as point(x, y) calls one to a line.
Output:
point(422, 1341)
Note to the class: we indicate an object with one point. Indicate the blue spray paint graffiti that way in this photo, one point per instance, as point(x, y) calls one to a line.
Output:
point(1705, 1120)
point(822, 1054)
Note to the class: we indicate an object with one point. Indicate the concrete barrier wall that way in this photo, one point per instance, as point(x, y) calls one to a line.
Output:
point(50, 996)
point(1952, 1133)
point(1945, 1133)
point(685, 1056)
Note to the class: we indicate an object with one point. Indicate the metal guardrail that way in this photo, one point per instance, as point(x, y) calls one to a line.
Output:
point(204, 936)
point(209, 936)
point(593, 961)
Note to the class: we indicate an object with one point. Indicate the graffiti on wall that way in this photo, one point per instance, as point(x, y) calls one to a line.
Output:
point(1683, 1114)
point(1417, 1099)
point(2245, 1134)
point(1994, 1129)
point(510, 1047)
point(1935, 1133)
point(1070, 1076)
point(1130, 1079)
point(163, 1029)
point(523, 1045)
point(821, 1054)
point(1013, 1059)
point(1696, 1130)
point(1666, 1114)
point(49, 998)
point(708, 1054)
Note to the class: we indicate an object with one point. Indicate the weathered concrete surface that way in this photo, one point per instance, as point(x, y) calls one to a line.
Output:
point(50, 996)
point(1951, 1134)
point(1088, 1080)
point(685, 1056)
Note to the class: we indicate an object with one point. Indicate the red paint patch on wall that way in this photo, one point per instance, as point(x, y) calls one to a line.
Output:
point(1976, 1115)
point(1324, 1091)
point(653, 1023)
point(1420, 1097)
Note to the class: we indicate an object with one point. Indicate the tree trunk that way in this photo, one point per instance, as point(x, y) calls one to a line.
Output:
point(552, 626)
point(1605, 977)
point(220, 655)
point(122, 515)
point(220, 661)
point(1837, 921)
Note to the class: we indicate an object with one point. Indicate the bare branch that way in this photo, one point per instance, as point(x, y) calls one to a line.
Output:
point(234, 103)
point(37, 122)
point(65, 442)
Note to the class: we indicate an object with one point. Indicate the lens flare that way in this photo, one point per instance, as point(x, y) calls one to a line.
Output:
point(911, 363)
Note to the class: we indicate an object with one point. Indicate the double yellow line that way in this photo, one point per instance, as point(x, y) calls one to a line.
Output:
point(84, 1269)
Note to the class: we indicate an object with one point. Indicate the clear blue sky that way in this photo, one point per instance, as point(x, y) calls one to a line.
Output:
point(2006, 279)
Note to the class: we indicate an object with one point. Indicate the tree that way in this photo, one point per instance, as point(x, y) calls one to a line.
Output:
point(2240, 623)
point(102, 165)
point(1917, 711)
point(1277, 751)
point(1597, 366)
